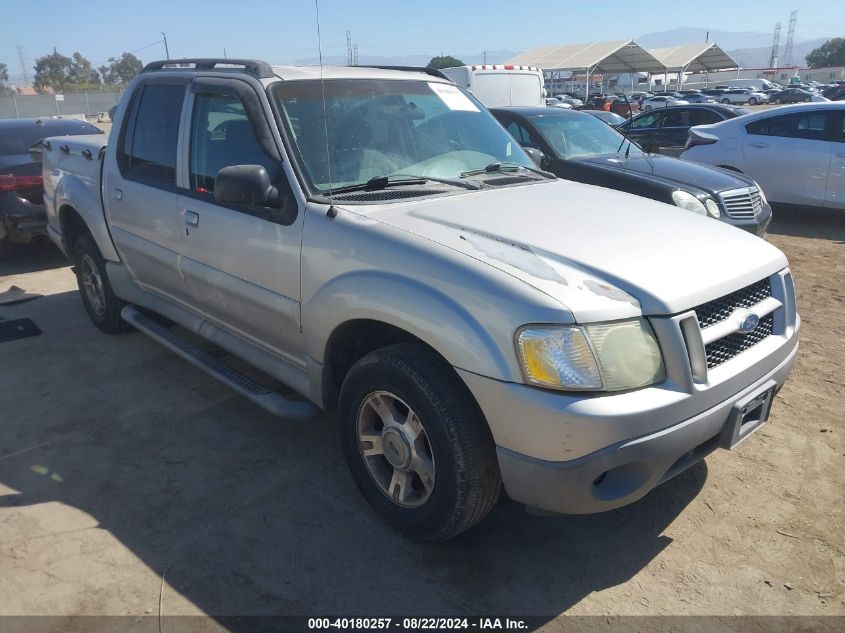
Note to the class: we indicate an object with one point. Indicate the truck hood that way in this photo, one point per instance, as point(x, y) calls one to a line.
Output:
point(671, 171)
point(603, 254)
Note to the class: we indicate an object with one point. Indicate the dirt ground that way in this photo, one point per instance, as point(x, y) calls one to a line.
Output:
point(133, 484)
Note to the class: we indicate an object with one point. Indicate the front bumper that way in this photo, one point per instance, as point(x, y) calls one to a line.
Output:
point(624, 472)
point(758, 225)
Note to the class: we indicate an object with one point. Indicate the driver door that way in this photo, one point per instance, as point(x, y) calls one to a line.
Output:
point(241, 265)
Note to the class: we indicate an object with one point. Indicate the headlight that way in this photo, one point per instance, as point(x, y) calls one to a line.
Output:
point(687, 201)
point(597, 357)
point(712, 208)
point(762, 195)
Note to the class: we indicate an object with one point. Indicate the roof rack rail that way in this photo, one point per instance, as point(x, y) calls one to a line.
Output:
point(434, 72)
point(254, 67)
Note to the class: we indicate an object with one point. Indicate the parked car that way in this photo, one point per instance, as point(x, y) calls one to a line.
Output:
point(791, 95)
point(577, 147)
point(695, 96)
point(665, 131)
point(473, 321)
point(756, 85)
point(741, 96)
point(554, 102)
point(612, 103)
point(715, 93)
point(796, 152)
point(572, 101)
point(23, 218)
point(611, 118)
point(662, 102)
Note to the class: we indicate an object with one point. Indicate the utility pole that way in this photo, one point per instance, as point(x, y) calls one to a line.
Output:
point(775, 55)
point(166, 50)
point(790, 36)
point(224, 53)
point(354, 54)
point(485, 57)
point(348, 48)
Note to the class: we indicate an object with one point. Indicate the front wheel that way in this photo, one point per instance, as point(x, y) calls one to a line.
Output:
point(726, 100)
point(416, 443)
point(102, 305)
point(647, 108)
point(778, 101)
point(752, 101)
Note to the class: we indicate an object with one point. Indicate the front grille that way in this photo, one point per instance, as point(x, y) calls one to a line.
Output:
point(386, 194)
point(726, 348)
point(742, 204)
point(720, 309)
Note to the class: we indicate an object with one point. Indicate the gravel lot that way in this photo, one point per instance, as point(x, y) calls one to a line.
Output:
point(131, 483)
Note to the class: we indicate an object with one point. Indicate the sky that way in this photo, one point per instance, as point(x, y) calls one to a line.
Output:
point(286, 31)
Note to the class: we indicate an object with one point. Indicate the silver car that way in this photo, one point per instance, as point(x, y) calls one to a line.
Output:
point(376, 241)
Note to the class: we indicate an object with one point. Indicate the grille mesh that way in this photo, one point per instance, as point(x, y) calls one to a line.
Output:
point(386, 194)
point(743, 206)
point(726, 348)
point(720, 309)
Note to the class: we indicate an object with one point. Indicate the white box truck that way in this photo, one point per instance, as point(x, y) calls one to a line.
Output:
point(497, 85)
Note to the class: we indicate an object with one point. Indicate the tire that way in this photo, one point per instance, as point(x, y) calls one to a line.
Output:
point(752, 101)
point(807, 100)
point(101, 304)
point(647, 108)
point(454, 443)
point(726, 100)
point(778, 101)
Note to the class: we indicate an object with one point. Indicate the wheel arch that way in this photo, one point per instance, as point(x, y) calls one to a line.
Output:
point(80, 202)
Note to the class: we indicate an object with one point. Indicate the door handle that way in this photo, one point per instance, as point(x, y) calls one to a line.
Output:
point(760, 145)
point(117, 193)
point(191, 218)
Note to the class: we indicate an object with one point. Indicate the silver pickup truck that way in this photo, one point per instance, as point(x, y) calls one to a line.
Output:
point(374, 240)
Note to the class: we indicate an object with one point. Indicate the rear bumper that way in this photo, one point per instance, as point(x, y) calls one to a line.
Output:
point(21, 220)
point(624, 472)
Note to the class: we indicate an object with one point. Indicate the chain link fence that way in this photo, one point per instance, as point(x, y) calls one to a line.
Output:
point(87, 103)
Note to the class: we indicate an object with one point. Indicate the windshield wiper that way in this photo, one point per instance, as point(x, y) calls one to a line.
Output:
point(501, 166)
point(377, 183)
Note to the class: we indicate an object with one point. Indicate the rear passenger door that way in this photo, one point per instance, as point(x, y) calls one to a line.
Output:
point(789, 155)
point(140, 188)
point(240, 262)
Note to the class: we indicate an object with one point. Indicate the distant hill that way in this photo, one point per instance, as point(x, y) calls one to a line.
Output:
point(749, 48)
point(493, 57)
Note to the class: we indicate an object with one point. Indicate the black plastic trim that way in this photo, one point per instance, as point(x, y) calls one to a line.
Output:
point(254, 67)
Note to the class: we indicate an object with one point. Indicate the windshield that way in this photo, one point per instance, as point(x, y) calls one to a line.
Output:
point(578, 136)
point(381, 128)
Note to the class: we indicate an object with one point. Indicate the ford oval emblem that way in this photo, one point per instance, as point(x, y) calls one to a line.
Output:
point(749, 323)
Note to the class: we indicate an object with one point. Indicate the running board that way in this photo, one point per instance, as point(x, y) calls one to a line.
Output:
point(266, 398)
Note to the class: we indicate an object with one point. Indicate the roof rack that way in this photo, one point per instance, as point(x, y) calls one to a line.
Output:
point(434, 72)
point(254, 67)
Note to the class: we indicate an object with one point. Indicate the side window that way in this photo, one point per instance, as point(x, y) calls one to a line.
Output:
point(807, 125)
point(522, 135)
point(149, 148)
point(677, 118)
point(646, 121)
point(222, 135)
point(704, 117)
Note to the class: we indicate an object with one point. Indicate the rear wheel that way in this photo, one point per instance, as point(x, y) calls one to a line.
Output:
point(778, 101)
point(726, 100)
point(102, 305)
point(417, 446)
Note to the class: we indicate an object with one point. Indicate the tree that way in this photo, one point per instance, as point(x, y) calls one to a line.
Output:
point(122, 70)
point(82, 73)
point(444, 61)
point(51, 72)
point(831, 53)
point(4, 80)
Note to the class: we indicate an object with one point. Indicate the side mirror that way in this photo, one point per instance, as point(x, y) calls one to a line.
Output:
point(536, 155)
point(250, 185)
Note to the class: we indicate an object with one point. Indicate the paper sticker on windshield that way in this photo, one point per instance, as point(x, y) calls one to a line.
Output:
point(452, 97)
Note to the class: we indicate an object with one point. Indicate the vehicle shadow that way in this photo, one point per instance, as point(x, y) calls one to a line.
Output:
point(826, 224)
point(245, 514)
point(26, 258)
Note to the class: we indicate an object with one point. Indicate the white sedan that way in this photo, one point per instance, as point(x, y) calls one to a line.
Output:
point(661, 102)
point(796, 153)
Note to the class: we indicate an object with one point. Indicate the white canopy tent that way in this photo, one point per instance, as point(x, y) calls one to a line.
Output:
point(699, 57)
point(607, 58)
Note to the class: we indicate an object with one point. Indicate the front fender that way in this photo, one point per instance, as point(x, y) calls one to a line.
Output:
point(423, 311)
